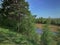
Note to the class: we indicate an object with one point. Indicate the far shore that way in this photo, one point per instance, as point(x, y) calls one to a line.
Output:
point(52, 27)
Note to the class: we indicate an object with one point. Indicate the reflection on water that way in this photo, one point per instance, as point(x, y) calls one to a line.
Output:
point(39, 31)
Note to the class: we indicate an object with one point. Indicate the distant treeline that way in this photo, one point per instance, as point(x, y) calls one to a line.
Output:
point(54, 21)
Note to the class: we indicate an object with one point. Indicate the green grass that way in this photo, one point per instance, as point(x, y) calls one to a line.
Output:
point(5, 36)
point(8, 37)
point(7, 44)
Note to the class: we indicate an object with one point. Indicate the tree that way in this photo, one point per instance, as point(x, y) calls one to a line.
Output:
point(14, 11)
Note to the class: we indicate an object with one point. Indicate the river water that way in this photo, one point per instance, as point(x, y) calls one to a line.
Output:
point(40, 31)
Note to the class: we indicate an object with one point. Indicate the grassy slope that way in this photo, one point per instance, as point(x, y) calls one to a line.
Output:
point(52, 27)
point(8, 37)
point(4, 39)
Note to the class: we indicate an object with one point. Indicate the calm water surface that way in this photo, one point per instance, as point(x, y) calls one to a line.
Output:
point(40, 31)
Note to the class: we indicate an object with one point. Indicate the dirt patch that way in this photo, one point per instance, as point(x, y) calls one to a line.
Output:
point(52, 27)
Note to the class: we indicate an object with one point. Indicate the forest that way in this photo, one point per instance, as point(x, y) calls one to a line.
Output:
point(17, 25)
point(53, 21)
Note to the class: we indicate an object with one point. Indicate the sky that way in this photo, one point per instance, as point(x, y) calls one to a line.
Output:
point(45, 8)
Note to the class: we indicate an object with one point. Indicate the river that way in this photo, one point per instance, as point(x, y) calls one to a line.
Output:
point(40, 31)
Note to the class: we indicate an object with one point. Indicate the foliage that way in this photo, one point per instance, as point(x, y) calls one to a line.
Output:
point(16, 17)
point(9, 37)
point(47, 36)
point(58, 37)
point(54, 21)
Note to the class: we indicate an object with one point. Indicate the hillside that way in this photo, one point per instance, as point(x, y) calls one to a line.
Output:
point(8, 37)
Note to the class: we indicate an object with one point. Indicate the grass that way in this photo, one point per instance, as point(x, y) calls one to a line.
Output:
point(9, 34)
point(52, 27)
point(6, 44)
point(8, 37)
point(4, 36)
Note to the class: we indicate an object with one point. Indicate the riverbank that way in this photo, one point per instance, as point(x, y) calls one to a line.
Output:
point(52, 27)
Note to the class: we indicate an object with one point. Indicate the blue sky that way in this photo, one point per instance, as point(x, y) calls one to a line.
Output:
point(45, 8)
